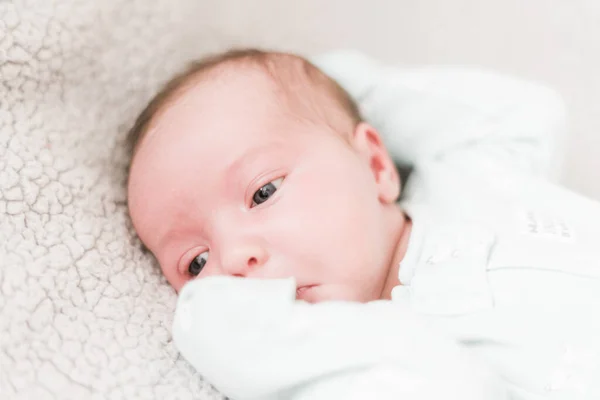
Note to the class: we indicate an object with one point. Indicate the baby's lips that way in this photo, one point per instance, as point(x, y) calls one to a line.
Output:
point(302, 291)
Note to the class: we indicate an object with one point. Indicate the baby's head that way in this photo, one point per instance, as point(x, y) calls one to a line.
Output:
point(256, 164)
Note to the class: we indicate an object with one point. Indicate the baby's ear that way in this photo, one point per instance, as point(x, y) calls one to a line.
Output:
point(367, 142)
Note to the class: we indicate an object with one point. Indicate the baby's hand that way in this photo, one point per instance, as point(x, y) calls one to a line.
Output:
point(233, 305)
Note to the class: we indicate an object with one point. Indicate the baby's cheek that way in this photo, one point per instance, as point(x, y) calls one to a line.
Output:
point(211, 269)
point(177, 282)
point(175, 278)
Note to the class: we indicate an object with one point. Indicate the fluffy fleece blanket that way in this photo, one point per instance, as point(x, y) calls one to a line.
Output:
point(84, 313)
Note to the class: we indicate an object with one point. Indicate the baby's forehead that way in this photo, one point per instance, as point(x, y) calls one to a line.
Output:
point(284, 89)
point(247, 102)
point(223, 116)
point(251, 81)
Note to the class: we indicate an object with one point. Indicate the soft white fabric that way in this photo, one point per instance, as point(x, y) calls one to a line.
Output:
point(254, 341)
point(500, 258)
point(84, 314)
point(438, 112)
point(522, 294)
point(500, 262)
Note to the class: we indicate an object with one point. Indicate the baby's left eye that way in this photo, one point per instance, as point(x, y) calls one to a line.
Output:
point(198, 263)
point(266, 191)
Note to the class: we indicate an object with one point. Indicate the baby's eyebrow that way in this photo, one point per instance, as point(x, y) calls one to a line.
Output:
point(248, 157)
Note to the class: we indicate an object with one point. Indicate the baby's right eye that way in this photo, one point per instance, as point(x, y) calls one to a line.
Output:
point(265, 192)
point(198, 264)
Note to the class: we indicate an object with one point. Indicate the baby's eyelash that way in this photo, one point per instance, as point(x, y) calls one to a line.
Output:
point(198, 264)
point(264, 193)
point(188, 257)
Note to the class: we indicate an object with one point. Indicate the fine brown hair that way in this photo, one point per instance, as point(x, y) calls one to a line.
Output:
point(284, 69)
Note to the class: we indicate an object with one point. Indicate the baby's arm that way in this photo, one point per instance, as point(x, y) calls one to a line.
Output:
point(466, 117)
point(252, 340)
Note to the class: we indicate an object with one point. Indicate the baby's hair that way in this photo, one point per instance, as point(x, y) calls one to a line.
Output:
point(306, 88)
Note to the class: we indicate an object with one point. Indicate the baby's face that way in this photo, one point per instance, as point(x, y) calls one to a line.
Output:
point(228, 183)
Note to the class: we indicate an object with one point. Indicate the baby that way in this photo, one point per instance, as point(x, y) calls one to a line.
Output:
point(256, 164)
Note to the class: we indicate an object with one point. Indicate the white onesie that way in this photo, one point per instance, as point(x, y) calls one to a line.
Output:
point(501, 281)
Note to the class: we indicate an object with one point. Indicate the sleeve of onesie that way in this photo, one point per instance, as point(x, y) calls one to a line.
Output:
point(464, 116)
point(252, 340)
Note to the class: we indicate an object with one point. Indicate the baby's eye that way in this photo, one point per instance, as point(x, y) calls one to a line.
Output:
point(198, 264)
point(263, 194)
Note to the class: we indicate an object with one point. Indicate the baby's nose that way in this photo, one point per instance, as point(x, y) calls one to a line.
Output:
point(244, 260)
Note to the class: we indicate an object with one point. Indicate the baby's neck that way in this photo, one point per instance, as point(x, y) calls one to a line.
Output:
point(401, 237)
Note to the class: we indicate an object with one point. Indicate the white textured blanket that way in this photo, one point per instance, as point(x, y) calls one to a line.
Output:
point(84, 313)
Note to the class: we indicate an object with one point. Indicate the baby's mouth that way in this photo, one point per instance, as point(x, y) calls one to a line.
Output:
point(302, 290)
